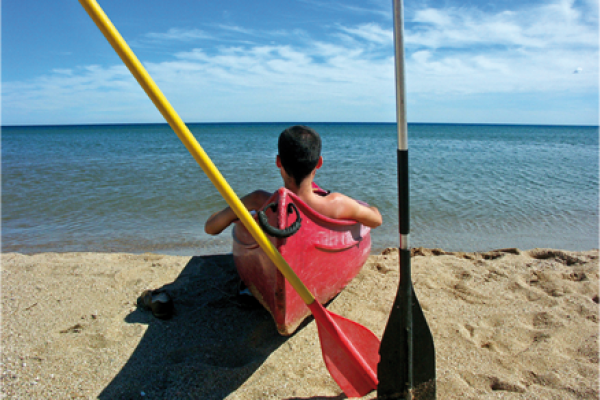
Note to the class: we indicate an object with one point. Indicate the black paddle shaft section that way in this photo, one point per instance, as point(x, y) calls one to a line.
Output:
point(403, 192)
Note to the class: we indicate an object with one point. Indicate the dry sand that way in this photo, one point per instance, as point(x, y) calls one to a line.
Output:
point(507, 324)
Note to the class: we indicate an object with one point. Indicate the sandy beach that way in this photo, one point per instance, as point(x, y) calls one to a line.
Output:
point(507, 324)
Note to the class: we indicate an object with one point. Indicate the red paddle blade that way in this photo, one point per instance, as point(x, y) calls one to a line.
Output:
point(350, 351)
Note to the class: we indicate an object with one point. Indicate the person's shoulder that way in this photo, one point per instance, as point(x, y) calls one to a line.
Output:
point(342, 204)
point(335, 196)
point(258, 198)
point(262, 193)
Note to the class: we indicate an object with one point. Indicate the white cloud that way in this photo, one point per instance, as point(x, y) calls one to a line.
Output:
point(63, 71)
point(177, 34)
point(375, 7)
point(548, 25)
point(236, 29)
point(529, 50)
point(590, 11)
point(86, 94)
point(371, 33)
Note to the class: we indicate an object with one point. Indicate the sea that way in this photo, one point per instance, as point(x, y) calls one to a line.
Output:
point(135, 188)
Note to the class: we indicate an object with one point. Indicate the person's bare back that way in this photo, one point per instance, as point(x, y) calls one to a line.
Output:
point(338, 206)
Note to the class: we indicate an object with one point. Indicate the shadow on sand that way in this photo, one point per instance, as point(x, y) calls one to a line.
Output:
point(213, 344)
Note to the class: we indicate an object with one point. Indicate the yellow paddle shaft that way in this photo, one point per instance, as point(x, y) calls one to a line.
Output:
point(190, 142)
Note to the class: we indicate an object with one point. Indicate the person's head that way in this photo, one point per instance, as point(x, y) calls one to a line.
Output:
point(299, 151)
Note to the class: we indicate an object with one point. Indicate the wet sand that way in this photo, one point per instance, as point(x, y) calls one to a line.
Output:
point(507, 324)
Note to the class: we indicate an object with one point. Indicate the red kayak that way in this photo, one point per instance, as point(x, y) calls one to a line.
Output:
point(325, 253)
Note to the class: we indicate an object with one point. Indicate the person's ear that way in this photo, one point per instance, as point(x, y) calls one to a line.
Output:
point(278, 161)
point(320, 162)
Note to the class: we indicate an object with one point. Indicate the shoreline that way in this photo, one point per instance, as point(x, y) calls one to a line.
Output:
point(507, 322)
point(220, 246)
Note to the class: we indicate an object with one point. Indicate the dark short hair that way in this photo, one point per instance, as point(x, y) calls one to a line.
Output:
point(299, 151)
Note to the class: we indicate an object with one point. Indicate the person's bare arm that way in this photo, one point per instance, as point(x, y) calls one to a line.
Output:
point(345, 207)
point(220, 220)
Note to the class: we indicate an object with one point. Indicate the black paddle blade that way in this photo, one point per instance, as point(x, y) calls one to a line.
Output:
point(393, 370)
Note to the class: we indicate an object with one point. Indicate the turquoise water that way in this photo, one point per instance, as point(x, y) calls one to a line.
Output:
point(135, 188)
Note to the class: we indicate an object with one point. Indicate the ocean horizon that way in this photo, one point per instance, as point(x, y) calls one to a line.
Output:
point(135, 188)
point(165, 124)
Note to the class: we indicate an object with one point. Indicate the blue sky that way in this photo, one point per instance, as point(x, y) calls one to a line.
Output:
point(531, 62)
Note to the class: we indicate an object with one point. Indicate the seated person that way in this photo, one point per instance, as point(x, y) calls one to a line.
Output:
point(298, 160)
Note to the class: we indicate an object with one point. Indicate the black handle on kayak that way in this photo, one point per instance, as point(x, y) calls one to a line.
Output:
point(279, 233)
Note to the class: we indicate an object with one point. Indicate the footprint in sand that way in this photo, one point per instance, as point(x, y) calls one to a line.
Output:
point(529, 290)
point(545, 320)
point(77, 328)
point(480, 335)
point(497, 384)
point(484, 383)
